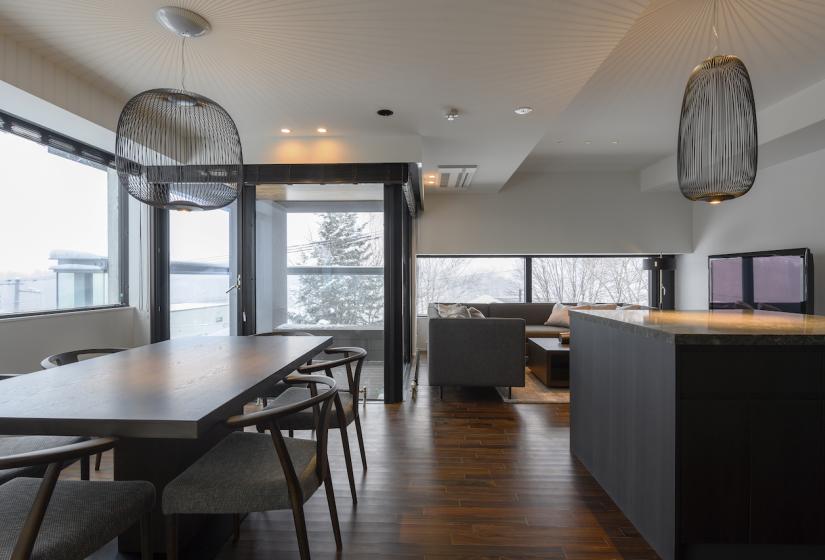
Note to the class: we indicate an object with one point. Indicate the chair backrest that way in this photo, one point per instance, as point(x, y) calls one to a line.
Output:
point(55, 457)
point(268, 417)
point(352, 355)
point(74, 356)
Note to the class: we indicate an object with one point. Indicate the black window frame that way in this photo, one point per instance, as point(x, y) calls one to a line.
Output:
point(668, 277)
point(19, 127)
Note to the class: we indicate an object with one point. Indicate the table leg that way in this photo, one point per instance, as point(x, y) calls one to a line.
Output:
point(159, 461)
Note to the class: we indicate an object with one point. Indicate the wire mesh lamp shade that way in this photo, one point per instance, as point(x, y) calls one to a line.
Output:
point(717, 153)
point(178, 150)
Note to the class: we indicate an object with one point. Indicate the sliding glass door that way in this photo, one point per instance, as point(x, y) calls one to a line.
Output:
point(201, 273)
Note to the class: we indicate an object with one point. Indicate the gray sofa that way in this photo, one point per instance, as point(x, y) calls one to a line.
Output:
point(485, 352)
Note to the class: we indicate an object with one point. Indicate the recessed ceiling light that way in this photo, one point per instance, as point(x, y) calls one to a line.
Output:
point(559, 141)
point(322, 130)
point(588, 142)
point(431, 177)
point(614, 141)
point(385, 112)
point(523, 110)
point(286, 130)
point(452, 115)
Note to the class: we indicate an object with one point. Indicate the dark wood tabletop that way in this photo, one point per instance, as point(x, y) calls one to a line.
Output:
point(173, 389)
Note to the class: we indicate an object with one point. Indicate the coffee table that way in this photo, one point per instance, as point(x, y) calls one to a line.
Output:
point(549, 360)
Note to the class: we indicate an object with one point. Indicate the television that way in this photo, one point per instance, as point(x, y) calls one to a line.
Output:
point(767, 280)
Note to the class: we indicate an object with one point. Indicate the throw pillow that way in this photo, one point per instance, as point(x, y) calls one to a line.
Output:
point(475, 313)
point(634, 307)
point(603, 306)
point(560, 316)
point(452, 311)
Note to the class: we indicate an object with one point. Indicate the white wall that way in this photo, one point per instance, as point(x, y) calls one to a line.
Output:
point(557, 213)
point(25, 341)
point(30, 72)
point(271, 261)
point(783, 210)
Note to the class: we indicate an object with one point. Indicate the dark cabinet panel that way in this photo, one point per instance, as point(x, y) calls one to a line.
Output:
point(714, 459)
point(740, 372)
point(787, 495)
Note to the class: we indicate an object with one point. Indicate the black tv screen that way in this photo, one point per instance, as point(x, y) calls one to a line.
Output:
point(767, 280)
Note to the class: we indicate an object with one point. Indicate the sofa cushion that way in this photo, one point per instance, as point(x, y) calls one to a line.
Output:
point(452, 311)
point(560, 316)
point(432, 309)
point(475, 313)
point(532, 313)
point(544, 331)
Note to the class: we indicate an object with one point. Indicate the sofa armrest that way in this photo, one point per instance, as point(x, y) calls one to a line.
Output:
point(476, 352)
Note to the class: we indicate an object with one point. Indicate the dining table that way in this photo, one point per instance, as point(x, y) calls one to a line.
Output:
point(166, 402)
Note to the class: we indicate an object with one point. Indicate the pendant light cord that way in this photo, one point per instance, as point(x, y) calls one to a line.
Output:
point(183, 64)
point(715, 25)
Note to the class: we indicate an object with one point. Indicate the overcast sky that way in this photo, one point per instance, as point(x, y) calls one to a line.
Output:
point(47, 203)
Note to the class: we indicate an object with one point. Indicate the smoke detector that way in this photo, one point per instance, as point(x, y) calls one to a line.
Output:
point(455, 177)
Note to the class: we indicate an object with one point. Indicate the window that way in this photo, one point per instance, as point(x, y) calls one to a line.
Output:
point(469, 280)
point(60, 238)
point(590, 279)
point(552, 279)
point(335, 268)
point(319, 257)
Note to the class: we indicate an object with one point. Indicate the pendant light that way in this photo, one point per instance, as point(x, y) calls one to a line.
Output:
point(176, 149)
point(717, 152)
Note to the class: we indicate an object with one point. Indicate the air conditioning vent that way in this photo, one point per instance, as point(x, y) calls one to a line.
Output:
point(455, 177)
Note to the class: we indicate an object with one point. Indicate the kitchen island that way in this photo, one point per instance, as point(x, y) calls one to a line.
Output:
point(707, 429)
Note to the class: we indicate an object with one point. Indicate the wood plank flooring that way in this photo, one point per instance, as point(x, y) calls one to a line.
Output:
point(464, 478)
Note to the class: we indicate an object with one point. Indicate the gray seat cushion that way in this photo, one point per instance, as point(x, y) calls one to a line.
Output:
point(305, 420)
point(81, 517)
point(12, 445)
point(544, 331)
point(241, 474)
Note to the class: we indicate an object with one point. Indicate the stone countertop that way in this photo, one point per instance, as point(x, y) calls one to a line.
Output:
point(734, 327)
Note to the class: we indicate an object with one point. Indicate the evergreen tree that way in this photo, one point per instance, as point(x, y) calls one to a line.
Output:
point(340, 299)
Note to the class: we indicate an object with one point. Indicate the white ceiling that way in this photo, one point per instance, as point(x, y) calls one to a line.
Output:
point(594, 70)
point(636, 95)
point(333, 63)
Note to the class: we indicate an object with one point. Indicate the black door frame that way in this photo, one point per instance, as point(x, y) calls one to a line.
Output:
point(397, 227)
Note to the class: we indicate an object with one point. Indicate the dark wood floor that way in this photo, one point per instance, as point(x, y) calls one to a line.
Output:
point(467, 477)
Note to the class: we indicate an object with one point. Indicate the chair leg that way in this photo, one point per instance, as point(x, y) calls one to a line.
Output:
point(84, 467)
point(236, 527)
point(348, 460)
point(146, 552)
point(300, 527)
point(172, 537)
point(333, 510)
point(361, 441)
point(441, 392)
point(291, 433)
point(98, 459)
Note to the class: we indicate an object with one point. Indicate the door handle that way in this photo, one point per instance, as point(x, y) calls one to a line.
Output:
point(235, 286)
